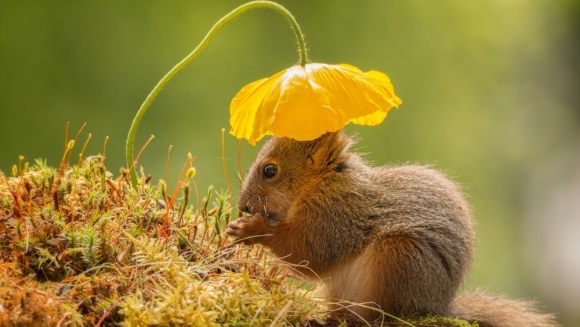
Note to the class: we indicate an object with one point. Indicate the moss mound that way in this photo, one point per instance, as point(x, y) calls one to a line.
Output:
point(80, 247)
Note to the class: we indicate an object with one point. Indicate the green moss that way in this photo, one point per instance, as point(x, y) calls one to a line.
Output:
point(85, 248)
point(442, 321)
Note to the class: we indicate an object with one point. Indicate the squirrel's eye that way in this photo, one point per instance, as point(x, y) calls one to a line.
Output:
point(270, 170)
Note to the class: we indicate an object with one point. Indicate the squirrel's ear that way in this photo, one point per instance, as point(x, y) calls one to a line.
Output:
point(329, 150)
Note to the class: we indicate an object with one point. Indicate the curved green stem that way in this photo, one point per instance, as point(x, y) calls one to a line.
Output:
point(190, 57)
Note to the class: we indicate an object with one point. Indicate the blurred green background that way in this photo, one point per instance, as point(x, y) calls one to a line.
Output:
point(490, 95)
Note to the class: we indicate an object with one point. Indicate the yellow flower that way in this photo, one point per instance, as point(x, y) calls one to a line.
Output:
point(305, 102)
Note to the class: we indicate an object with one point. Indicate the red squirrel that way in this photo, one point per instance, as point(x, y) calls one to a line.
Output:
point(400, 237)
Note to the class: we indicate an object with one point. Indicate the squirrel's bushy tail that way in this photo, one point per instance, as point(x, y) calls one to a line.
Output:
point(492, 311)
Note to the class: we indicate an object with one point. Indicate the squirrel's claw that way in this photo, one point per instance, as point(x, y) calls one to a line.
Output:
point(249, 229)
point(235, 227)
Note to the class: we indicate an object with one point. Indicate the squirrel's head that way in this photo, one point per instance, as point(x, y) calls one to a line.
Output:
point(286, 169)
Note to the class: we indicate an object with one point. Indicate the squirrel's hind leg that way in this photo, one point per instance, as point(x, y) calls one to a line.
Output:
point(347, 290)
point(394, 275)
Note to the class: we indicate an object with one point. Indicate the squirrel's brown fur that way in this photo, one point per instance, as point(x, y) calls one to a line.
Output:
point(400, 237)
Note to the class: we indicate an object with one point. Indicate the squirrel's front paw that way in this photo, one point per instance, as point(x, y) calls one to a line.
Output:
point(250, 230)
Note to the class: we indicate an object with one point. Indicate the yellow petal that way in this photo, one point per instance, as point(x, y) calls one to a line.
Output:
point(245, 105)
point(306, 102)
